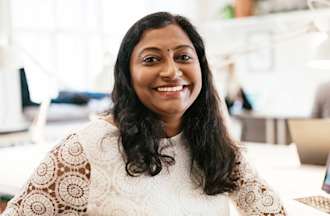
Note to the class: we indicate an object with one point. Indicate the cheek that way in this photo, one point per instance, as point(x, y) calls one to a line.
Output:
point(138, 80)
point(142, 77)
point(141, 86)
point(135, 78)
point(198, 85)
point(197, 77)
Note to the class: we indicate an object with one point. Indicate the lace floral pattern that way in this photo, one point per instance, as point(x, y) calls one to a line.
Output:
point(72, 190)
point(11, 211)
point(45, 174)
point(39, 203)
point(171, 192)
point(254, 197)
point(59, 185)
point(85, 175)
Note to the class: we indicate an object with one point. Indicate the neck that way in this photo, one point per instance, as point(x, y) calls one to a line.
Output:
point(172, 126)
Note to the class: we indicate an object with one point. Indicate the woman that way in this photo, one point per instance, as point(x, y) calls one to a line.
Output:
point(321, 104)
point(236, 98)
point(164, 150)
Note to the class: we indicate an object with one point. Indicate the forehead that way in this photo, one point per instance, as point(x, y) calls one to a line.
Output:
point(167, 37)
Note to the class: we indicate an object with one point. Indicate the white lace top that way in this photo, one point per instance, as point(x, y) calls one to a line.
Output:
point(85, 175)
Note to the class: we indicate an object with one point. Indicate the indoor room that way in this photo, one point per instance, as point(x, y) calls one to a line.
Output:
point(178, 107)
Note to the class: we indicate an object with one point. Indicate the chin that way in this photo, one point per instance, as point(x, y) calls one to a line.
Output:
point(173, 110)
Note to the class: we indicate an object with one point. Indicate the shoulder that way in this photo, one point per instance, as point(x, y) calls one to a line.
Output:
point(100, 141)
point(243, 169)
point(109, 119)
point(67, 170)
point(59, 177)
point(96, 130)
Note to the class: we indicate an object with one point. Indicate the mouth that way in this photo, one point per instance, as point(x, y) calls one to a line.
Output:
point(173, 91)
point(170, 88)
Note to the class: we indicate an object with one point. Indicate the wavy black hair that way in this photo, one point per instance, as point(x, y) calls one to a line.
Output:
point(213, 152)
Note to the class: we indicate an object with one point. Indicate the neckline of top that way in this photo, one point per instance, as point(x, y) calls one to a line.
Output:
point(174, 138)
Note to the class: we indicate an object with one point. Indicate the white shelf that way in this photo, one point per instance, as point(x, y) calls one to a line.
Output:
point(223, 36)
point(287, 17)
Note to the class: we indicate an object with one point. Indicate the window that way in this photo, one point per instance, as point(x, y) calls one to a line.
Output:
point(63, 43)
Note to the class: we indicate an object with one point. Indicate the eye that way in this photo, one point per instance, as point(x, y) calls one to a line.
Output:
point(150, 60)
point(183, 58)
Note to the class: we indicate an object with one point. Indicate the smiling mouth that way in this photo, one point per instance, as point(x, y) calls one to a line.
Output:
point(170, 89)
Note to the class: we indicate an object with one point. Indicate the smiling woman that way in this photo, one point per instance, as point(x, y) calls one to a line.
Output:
point(163, 150)
point(166, 74)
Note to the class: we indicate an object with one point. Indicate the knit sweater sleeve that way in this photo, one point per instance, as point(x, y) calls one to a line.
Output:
point(58, 186)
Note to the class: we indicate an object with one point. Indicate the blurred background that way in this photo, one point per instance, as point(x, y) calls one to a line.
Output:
point(269, 58)
point(258, 50)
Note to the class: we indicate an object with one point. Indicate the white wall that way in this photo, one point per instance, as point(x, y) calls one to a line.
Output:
point(4, 22)
point(73, 42)
point(10, 95)
point(288, 86)
point(73, 51)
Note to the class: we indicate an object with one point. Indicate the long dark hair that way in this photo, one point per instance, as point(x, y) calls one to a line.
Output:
point(213, 152)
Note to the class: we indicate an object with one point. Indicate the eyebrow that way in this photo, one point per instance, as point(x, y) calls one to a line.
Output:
point(158, 49)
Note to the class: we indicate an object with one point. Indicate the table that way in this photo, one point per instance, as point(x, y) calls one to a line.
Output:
point(276, 123)
point(280, 166)
point(12, 172)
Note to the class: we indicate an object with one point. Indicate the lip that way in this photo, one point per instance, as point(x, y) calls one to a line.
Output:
point(171, 94)
point(171, 85)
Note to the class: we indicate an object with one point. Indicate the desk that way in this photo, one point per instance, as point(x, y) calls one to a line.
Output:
point(275, 123)
point(12, 172)
point(278, 164)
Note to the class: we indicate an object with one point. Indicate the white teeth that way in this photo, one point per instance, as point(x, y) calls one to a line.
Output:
point(170, 89)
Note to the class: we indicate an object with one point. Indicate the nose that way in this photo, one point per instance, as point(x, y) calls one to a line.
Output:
point(170, 70)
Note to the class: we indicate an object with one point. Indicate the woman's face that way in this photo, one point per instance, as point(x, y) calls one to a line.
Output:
point(165, 71)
